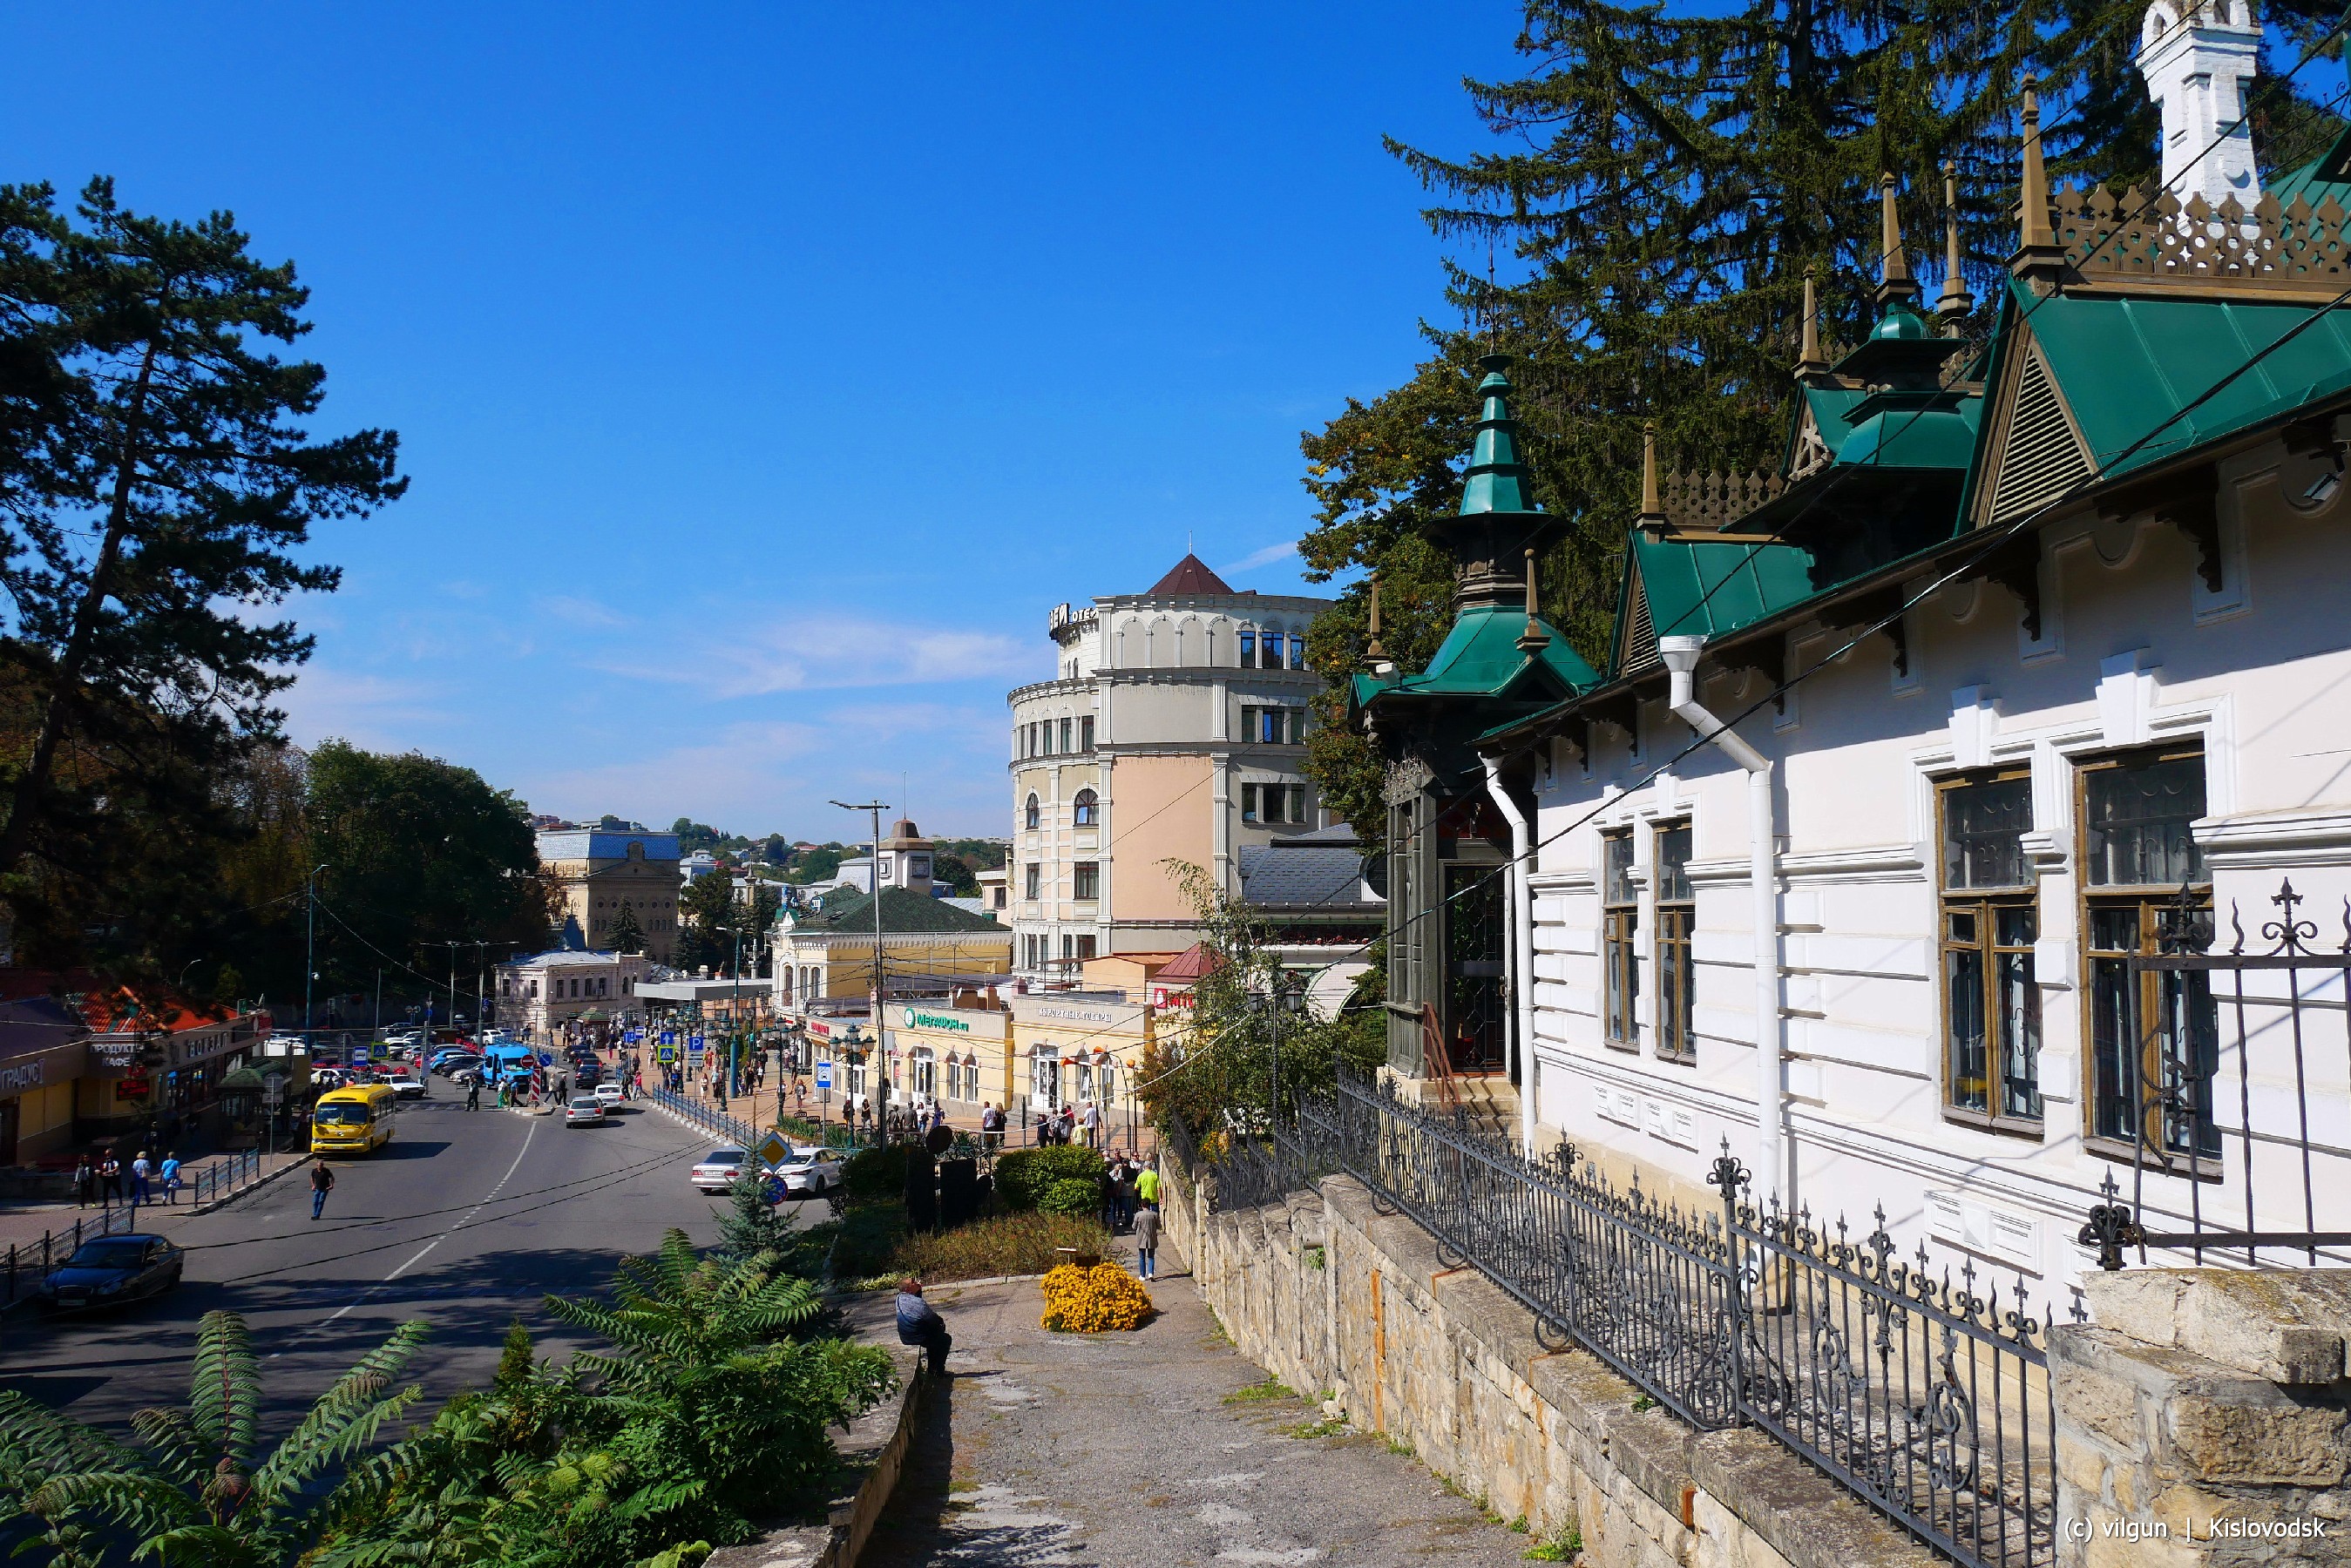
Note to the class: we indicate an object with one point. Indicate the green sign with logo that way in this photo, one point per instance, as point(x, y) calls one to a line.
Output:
point(916, 1018)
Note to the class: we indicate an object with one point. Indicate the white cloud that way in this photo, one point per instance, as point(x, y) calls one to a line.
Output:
point(829, 652)
point(1265, 558)
point(372, 710)
point(575, 611)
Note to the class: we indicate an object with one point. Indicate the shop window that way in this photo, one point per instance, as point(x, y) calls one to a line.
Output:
point(1990, 919)
point(925, 1073)
point(1085, 809)
point(1620, 923)
point(2155, 1035)
point(1677, 916)
point(1086, 876)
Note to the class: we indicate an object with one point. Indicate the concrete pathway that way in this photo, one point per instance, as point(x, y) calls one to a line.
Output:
point(1129, 1450)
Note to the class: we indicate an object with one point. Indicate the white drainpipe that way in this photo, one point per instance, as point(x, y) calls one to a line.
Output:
point(1679, 655)
point(1522, 955)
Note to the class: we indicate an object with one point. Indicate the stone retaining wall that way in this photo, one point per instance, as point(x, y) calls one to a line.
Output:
point(1335, 1299)
point(872, 1451)
point(2196, 1396)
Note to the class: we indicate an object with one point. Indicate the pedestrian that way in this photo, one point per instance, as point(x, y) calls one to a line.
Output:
point(322, 1181)
point(140, 1172)
point(1126, 1174)
point(1147, 1243)
point(1068, 1123)
point(170, 1176)
point(473, 1093)
point(110, 1180)
point(1106, 1197)
point(1147, 1187)
point(919, 1324)
point(1094, 1124)
point(84, 1181)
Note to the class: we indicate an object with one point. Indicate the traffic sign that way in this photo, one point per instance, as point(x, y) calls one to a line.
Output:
point(774, 1150)
point(694, 1045)
point(664, 1052)
point(669, 1037)
point(824, 1075)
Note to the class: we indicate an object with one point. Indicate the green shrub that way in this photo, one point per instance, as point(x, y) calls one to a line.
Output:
point(877, 1173)
point(1002, 1244)
point(1071, 1197)
point(863, 1240)
point(1023, 1176)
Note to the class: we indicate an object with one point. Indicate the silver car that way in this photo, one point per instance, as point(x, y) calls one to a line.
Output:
point(715, 1171)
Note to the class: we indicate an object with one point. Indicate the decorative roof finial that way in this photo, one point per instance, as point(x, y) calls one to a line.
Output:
point(1534, 640)
point(1894, 284)
point(1372, 651)
point(1653, 512)
point(1810, 360)
point(2037, 252)
point(1956, 302)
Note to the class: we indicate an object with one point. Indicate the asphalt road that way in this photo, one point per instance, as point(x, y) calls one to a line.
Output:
point(465, 1221)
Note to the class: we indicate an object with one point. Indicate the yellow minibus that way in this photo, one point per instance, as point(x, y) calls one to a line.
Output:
point(356, 1120)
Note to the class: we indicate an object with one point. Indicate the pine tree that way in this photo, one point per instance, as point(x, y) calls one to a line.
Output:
point(627, 935)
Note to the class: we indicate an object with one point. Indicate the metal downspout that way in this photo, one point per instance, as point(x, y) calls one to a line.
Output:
point(1679, 655)
point(1522, 955)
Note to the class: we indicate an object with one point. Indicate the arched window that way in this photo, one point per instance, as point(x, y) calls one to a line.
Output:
point(1085, 806)
point(1248, 647)
point(1034, 816)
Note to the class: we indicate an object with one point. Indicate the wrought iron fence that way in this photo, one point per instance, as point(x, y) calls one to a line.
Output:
point(1927, 1396)
point(28, 1263)
point(2230, 1091)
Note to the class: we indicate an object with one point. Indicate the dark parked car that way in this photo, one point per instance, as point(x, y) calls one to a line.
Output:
point(114, 1269)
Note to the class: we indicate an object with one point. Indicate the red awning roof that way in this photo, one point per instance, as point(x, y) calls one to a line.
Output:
point(1196, 962)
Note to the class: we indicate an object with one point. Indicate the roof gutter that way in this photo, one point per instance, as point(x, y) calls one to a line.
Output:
point(1679, 655)
point(1522, 953)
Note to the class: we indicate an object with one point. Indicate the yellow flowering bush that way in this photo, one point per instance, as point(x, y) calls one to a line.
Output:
point(1093, 1300)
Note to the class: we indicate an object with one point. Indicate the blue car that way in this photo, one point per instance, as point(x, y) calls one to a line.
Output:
point(114, 1269)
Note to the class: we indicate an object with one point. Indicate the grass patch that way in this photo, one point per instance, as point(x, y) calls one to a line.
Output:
point(1330, 1428)
point(1316, 1258)
point(1400, 1448)
point(963, 1486)
point(1218, 1333)
point(1001, 1244)
point(1259, 1393)
point(1564, 1547)
point(1644, 1403)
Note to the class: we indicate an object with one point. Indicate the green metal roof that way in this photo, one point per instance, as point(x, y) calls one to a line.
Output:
point(903, 911)
point(1495, 479)
point(2128, 366)
point(1698, 589)
point(1480, 657)
point(2328, 174)
point(1939, 435)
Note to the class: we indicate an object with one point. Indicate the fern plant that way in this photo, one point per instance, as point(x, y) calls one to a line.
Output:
point(198, 1488)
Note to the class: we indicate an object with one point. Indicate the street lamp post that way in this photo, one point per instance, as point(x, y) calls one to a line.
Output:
point(309, 948)
point(874, 887)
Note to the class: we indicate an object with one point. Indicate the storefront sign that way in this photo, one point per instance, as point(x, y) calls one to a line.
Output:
point(1170, 996)
point(917, 1019)
point(18, 1076)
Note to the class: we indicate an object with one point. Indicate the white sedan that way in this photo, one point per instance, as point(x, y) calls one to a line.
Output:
point(810, 1172)
point(608, 1095)
point(715, 1171)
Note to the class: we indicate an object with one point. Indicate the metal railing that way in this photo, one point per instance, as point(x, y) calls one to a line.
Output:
point(709, 1119)
point(233, 1173)
point(2226, 1055)
point(1927, 1397)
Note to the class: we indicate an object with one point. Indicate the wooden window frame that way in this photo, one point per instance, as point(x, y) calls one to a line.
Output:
point(1620, 959)
point(1677, 918)
point(2153, 904)
point(1086, 881)
point(1985, 906)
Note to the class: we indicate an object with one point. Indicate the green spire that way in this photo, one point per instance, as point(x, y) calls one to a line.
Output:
point(1497, 481)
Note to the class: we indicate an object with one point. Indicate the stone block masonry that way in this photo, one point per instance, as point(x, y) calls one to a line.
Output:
point(2203, 1416)
point(1329, 1294)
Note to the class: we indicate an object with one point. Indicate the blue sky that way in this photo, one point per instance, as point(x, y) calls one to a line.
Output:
point(766, 373)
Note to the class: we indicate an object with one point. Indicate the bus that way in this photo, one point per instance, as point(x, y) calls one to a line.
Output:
point(356, 1120)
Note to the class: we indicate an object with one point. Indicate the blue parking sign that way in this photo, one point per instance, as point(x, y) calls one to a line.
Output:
point(694, 1043)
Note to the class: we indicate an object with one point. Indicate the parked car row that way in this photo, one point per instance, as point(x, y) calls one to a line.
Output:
point(801, 1173)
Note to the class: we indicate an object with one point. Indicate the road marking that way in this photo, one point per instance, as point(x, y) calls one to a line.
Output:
point(361, 1299)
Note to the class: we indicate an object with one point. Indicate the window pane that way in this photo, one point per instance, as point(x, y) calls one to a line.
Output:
point(1296, 651)
point(1065, 735)
point(1248, 803)
point(1272, 650)
point(1673, 864)
point(1983, 833)
point(1964, 986)
point(1248, 647)
point(2114, 1048)
point(1616, 878)
point(1086, 734)
point(2138, 820)
point(2019, 1034)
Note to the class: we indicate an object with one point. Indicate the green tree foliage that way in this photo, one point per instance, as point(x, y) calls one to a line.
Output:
point(1249, 1029)
point(626, 935)
point(750, 1225)
point(1070, 1198)
point(1653, 192)
point(953, 870)
point(197, 1486)
point(156, 489)
point(417, 851)
point(821, 864)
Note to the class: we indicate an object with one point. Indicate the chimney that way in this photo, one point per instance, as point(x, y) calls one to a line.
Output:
point(2196, 58)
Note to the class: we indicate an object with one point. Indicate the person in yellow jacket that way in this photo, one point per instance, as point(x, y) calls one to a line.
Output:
point(1146, 1186)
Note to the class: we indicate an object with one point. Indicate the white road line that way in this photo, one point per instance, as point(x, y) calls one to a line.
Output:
point(487, 1199)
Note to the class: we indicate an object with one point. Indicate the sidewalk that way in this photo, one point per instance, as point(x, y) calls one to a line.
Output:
point(24, 1222)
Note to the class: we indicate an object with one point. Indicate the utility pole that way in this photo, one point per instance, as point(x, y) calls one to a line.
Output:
point(309, 951)
point(874, 883)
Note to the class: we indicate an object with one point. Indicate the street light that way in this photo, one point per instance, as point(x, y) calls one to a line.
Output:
point(733, 1024)
point(874, 887)
point(310, 950)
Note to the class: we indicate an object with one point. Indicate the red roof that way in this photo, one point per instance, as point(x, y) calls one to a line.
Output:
point(104, 1008)
point(1191, 575)
point(1194, 963)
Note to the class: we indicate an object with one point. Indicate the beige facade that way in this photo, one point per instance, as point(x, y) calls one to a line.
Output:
point(538, 995)
point(598, 873)
point(1173, 730)
point(1073, 1047)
